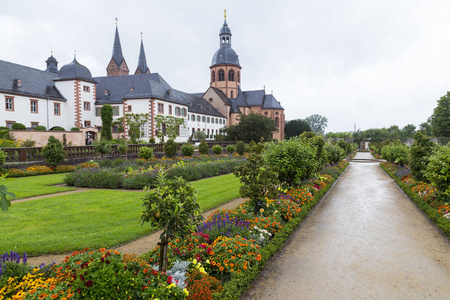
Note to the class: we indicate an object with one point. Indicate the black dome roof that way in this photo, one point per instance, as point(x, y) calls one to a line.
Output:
point(225, 55)
point(75, 70)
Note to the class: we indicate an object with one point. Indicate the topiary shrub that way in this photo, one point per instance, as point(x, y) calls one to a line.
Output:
point(421, 150)
point(106, 113)
point(203, 147)
point(240, 148)
point(145, 152)
point(170, 148)
point(74, 129)
point(18, 126)
point(187, 150)
point(40, 128)
point(217, 149)
point(231, 149)
point(53, 152)
point(152, 140)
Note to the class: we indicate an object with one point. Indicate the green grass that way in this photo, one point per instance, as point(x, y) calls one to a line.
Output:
point(94, 219)
point(25, 187)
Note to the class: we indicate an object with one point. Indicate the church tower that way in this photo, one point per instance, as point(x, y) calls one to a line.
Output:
point(117, 65)
point(142, 67)
point(225, 67)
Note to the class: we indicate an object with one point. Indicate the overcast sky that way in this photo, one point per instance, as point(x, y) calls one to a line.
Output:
point(373, 63)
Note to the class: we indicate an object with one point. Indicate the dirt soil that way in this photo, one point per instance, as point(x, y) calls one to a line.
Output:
point(139, 246)
point(365, 240)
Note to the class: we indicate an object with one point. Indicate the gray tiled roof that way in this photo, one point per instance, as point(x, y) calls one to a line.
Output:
point(142, 62)
point(75, 70)
point(254, 98)
point(271, 102)
point(200, 106)
point(117, 49)
point(35, 82)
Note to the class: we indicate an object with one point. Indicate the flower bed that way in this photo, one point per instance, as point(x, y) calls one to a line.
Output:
point(422, 193)
point(219, 261)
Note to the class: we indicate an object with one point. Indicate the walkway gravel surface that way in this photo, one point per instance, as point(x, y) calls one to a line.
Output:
point(365, 240)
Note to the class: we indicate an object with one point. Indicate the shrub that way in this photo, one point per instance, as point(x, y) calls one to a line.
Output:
point(438, 169)
point(421, 150)
point(28, 143)
point(2, 157)
point(170, 148)
point(187, 150)
point(145, 152)
point(152, 140)
point(40, 128)
point(4, 128)
point(203, 147)
point(4, 135)
point(240, 148)
point(396, 153)
point(58, 129)
point(231, 149)
point(217, 149)
point(103, 147)
point(74, 129)
point(53, 152)
point(18, 126)
point(334, 153)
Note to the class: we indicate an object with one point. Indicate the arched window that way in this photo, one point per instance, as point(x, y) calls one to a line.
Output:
point(203, 119)
point(231, 95)
point(208, 120)
point(213, 76)
point(198, 118)
point(231, 75)
point(238, 77)
point(217, 121)
point(184, 112)
point(177, 111)
point(221, 75)
point(277, 121)
point(192, 117)
point(266, 113)
point(210, 100)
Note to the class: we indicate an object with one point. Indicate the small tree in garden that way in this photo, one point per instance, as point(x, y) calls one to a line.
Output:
point(146, 152)
point(217, 149)
point(199, 135)
point(187, 150)
point(203, 147)
point(123, 148)
point(231, 149)
point(53, 152)
point(438, 170)
point(258, 180)
point(170, 148)
point(107, 118)
point(240, 148)
point(103, 147)
point(172, 206)
point(421, 150)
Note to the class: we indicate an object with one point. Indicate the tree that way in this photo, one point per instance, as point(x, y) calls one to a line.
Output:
point(135, 124)
point(394, 132)
point(425, 127)
point(440, 120)
point(172, 206)
point(421, 150)
point(107, 117)
point(53, 152)
point(317, 123)
point(103, 147)
point(295, 128)
point(408, 131)
point(168, 125)
point(252, 127)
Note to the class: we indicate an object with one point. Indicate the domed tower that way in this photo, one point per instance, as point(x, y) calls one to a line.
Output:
point(117, 65)
point(225, 67)
point(52, 64)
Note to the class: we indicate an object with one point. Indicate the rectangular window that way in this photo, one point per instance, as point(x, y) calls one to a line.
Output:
point(9, 124)
point(178, 130)
point(87, 105)
point(170, 109)
point(34, 124)
point(57, 109)
point(87, 124)
point(86, 88)
point(97, 111)
point(9, 103)
point(164, 129)
point(160, 108)
point(34, 106)
point(115, 128)
point(193, 131)
point(115, 110)
point(177, 111)
point(130, 109)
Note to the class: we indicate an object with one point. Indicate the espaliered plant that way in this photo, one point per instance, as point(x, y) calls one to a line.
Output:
point(53, 152)
point(107, 117)
point(173, 206)
point(259, 181)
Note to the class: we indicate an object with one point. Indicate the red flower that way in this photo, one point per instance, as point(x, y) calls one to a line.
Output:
point(89, 283)
point(169, 280)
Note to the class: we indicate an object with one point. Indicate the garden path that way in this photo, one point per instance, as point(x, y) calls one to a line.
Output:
point(139, 246)
point(365, 240)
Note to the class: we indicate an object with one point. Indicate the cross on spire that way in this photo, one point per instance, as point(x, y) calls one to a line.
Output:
point(225, 13)
point(116, 21)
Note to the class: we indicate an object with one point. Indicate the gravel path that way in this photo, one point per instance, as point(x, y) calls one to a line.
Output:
point(365, 240)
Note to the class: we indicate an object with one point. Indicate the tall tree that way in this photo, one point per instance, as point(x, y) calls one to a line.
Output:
point(106, 114)
point(317, 123)
point(252, 127)
point(408, 131)
point(440, 120)
point(425, 127)
point(295, 128)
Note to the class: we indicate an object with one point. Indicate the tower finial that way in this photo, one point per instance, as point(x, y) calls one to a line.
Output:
point(225, 13)
point(116, 21)
point(74, 54)
point(141, 34)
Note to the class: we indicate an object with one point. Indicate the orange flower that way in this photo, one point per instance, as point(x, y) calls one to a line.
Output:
point(245, 267)
point(54, 296)
point(145, 271)
point(221, 268)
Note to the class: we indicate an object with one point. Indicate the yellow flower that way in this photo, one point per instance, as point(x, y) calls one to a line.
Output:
point(186, 292)
point(261, 210)
point(194, 261)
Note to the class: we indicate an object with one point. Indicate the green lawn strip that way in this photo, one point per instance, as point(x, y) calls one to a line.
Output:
point(94, 219)
point(25, 187)
point(430, 212)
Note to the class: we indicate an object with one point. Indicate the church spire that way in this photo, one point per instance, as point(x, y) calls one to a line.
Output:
point(117, 65)
point(142, 67)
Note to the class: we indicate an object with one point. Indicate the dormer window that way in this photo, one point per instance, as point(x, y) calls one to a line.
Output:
point(132, 89)
point(210, 100)
point(19, 83)
point(106, 93)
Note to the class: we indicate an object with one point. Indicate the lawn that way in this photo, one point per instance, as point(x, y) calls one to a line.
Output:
point(94, 219)
point(31, 186)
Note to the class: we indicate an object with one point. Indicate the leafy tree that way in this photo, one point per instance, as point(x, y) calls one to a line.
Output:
point(18, 126)
point(408, 131)
point(168, 125)
point(440, 120)
point(53, 152)
point(240, 148)
point(231, 149)
point(170, 148)
point(74, 129)
point(107, 118)
point(2, 157)
point(252, 127)
point(394, 132)
point(295, 158)
point(258, 179)
point(425, 128)
point(103, 147)
point(295, 128)
point(340, 135)
point(203, 147)
point(421, 150)
point(317, 123)
point(172, 206)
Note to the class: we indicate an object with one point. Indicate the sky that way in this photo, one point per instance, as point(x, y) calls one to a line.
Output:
point(370, 63)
